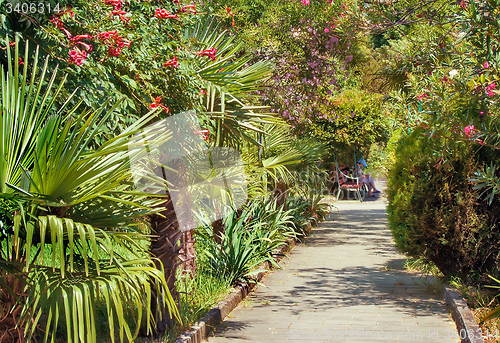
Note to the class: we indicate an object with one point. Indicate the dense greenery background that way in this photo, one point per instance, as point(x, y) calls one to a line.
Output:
point(411, 86)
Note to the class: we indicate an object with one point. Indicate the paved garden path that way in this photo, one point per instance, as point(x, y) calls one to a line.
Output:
point(347, 283)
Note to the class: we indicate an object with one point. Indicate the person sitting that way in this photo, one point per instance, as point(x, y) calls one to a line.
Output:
point(367, 179)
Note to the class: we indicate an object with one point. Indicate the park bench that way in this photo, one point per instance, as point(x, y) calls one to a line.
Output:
point(348, 183)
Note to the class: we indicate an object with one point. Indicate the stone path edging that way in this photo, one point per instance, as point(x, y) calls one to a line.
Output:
point(468, 330)
point(201, 329)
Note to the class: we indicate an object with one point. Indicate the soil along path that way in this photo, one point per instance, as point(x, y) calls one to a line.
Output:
point(347, 283)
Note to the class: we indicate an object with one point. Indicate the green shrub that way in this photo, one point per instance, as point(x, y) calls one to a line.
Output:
point(434, 213)
point(250, 238)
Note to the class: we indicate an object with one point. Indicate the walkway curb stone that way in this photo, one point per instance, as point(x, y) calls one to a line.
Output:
point(201, 329)
point(467, 328)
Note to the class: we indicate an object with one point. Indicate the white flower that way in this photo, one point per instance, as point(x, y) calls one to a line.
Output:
point(453, 73)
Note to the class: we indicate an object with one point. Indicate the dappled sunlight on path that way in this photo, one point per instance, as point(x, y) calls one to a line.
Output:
point(347, 283)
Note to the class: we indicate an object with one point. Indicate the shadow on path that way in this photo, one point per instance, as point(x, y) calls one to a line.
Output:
point(347, 276)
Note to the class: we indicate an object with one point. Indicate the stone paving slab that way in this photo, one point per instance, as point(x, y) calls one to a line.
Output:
point(347, 283)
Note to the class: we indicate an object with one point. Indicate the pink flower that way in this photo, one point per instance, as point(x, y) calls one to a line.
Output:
point(204, 133)
point(419, 15)
point(326, 30)
point(469, 130)
point(86, 46)
point(173, 62)
point(66, 32)
point(164, 14)
point(189, 8)
point(117, 4)
point(114, 51)
point(77, 56)
point(305, 2)
point(208, 52)
point(121, 14)
point(80, 37)
point(489, 89)
point(423, 95)
point(106, 35)
point(121, 42)
point(156, 104)
point(486, 65)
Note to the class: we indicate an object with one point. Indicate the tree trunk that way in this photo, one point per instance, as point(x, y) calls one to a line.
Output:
point(218, 230)
point(187, 253)
point(166, 248)
point(280, 194)
point(10, 310)
point(172, 247)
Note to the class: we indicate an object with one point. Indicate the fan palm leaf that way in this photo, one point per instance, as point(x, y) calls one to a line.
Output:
point(230, 83)
point(77, 205)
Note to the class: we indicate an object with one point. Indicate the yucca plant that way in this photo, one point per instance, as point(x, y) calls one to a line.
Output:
point(70, 215)
point(298, 207)
point(250, 238)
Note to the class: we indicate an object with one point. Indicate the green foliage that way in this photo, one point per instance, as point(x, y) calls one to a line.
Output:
point(358, 120)
point(434, 212)
point(249, 239)
point(253, 234)
point(304, 211)
point(199, 293)
point(444, 101)
point(133, 63)
point(495, 313)
point(58, 194)
point(379, 163)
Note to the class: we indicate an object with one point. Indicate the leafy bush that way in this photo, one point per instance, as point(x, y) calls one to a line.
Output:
point(305, 211)
point(250, 238)
point(434, 211)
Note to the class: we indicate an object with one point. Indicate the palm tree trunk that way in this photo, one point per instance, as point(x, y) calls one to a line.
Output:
point(280, 194)
point(187, 253)
point(166, 248)
point(10, 311)
point(218, 230)
point(172, 247)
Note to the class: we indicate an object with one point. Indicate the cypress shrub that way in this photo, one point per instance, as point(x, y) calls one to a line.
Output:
point(434, 212)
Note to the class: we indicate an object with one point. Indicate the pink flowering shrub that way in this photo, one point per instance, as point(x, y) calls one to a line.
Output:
point(469, 130)
point(301, 89)
point(448, 149)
